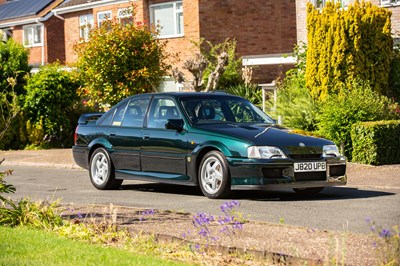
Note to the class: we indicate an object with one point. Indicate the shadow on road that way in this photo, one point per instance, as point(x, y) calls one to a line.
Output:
point(329, 193)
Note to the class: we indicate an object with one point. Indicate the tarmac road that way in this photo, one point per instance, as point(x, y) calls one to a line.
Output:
point(373, 193)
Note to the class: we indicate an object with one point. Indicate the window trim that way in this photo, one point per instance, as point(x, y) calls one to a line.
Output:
point(88, 27)
point(32, 27)
point(176, 12)
point(126, 13)
point(107, 17)
point(389, 3)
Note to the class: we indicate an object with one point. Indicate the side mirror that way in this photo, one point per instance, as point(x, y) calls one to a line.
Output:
point(176, 124)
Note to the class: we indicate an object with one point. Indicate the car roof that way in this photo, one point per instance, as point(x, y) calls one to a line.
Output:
point(180, 94)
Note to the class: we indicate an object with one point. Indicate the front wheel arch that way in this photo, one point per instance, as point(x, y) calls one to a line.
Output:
point(214, 176)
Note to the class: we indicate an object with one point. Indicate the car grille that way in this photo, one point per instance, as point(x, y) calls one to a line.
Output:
point(305, 156)
point(310, 176)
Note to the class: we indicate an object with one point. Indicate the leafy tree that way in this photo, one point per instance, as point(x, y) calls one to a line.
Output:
point(212, 52)
point(119, 61)
point(345, 45)
point(51, 107)
point(215, 66)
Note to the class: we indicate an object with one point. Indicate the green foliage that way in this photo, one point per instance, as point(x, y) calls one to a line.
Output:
point(119, 61)
point(345, 45)
point(360, 103)
point(51, 107)
point(250, 92)
point(376, 142)
point(231, 75)
point(13, 64)
point(39, 214)
point(294, 102)
point(394, 75)
point(13, 72)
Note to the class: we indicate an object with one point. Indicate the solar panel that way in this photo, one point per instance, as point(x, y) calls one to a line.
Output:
point(22, 8)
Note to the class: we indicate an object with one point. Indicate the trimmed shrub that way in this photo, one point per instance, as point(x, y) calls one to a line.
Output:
point(51, 107)
point(377, 142)
point(359, 104)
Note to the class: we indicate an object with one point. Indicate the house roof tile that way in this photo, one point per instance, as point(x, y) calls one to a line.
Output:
point(22, 8)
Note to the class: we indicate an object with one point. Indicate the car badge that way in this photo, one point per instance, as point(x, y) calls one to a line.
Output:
point(301, 144)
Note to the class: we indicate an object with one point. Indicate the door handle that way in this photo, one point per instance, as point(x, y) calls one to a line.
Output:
point(113, 134)
point(146, 136)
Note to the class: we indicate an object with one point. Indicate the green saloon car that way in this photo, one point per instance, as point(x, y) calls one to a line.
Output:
point(216, 141)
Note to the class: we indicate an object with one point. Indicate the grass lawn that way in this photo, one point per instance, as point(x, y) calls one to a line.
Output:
point(23, 246)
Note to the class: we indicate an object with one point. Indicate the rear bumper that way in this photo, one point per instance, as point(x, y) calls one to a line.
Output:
point(81, 156)
point(279, 173)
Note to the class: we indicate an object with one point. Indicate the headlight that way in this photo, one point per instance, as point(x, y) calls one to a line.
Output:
point(330, 151)
point(264, 152)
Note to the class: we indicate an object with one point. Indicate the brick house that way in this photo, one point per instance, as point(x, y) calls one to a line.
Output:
point(34, 25)
point(301, 13)
point(265, 30)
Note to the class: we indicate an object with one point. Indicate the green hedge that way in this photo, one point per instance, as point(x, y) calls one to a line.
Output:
point(377, 142)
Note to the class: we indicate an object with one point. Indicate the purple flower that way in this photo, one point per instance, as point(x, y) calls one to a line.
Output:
point(80, 215)
point(385, 233)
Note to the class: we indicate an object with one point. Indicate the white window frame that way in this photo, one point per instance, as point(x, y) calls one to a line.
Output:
point(32, 42)
point(177, 11)
point(107, 17)
point(86, 25)
point(125, 13)
point(343, 3)
point(390, 2)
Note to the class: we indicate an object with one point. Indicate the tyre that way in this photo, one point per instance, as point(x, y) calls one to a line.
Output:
point(214, 177)
point(311, 191)
point(101, 171)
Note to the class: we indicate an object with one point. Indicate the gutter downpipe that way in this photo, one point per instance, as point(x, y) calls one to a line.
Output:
point(58, 16)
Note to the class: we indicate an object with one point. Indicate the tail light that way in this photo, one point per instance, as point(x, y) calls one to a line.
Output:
point(76, 136)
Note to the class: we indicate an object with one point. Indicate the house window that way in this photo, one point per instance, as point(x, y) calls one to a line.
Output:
point(389, 2)
point(322, 3)
point(103, 16)
point(85, 25)
point(170, 18)
point(125, 16)
point(5, 34)
point(33, 35)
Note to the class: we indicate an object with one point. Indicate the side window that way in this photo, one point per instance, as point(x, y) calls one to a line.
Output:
point(134, 114)
point(161, 110)
point(119, 115)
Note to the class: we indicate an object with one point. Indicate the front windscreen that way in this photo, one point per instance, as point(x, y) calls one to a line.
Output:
point(222, 109)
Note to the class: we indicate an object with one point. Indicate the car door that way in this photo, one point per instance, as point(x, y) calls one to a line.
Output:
point(125, 134)
point(163, 150)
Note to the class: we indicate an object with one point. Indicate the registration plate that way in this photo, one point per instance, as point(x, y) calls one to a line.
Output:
point(310, 167)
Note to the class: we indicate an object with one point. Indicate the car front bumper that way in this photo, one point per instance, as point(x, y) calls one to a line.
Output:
point(279, 173)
